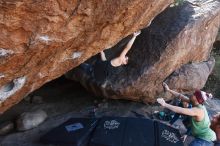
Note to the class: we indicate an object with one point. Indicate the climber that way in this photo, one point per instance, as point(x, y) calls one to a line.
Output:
point(177, 115)
point(103, 68)
point(200, 121)
point(215, 126)
point(185, 118)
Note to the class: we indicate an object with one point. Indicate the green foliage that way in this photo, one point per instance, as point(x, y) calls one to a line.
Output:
point(213, 82)
point(178, 2)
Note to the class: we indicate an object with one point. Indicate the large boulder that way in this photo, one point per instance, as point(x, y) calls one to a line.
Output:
point(41, 40)
point(179, 35)
point(191, 76)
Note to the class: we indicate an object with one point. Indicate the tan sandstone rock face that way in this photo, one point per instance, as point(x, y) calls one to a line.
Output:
point(178, 36)
point(41, 40)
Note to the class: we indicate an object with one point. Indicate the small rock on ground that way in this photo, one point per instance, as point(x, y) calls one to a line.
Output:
point(29, 120)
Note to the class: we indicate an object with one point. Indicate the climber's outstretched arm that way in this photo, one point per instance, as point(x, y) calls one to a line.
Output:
point(129, 45)
point(177, 94)
point(123, 59)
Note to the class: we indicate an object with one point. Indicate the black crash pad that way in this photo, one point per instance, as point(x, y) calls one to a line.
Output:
point(167, 135)
point(109, 132)
point(139, 132)
point(74, 132)
point(115, 131)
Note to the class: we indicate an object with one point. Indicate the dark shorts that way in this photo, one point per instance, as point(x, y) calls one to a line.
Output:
point(88, 68)
point(217, 143)
point(201, 142)
point(100, 71)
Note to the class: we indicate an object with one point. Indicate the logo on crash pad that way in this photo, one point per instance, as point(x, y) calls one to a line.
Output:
point(113, 124)
point(169, 136)
point(74, 127)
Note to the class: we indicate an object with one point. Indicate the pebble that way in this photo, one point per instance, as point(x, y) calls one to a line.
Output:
point(27, 98)
point(37, 99)
point(34, 99)
point(6, 127)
